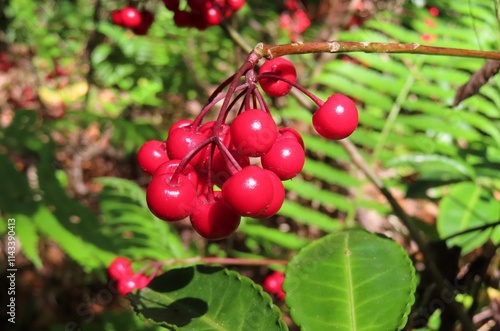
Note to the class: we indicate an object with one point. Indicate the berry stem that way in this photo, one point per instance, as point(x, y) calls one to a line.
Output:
point(185, 160)
point(231, 162)
point(260, 99)
point(224, 261)
point(314, 98)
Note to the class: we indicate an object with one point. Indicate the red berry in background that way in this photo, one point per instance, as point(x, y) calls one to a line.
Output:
point(286, 158)
point(214, 220)
point(141, 281)
point(170, 200)
point(131, 17)
point(434, 11)
point(278, 197)
point(337, 118)
point(235, 4)
point(253, 132)
point(172, 5)
point(151, 155)
point(171, 166)
point(279, 67)
point(116, 17)
point(183, 140)
point(273, 284)
point(249, 192)
point(213, 16)
point(120, 268)
point(182, 18)
point(147, 19)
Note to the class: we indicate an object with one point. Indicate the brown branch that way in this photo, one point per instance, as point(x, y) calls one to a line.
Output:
point(476, 81)
point(270, 52)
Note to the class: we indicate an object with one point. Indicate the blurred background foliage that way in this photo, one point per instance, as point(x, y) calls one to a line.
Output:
point(79, 95)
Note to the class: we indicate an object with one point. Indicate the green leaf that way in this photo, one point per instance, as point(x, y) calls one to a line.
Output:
point(207, 298)
point(351, 280)
point(28, 236)
point(436, 167)
point(467, 206)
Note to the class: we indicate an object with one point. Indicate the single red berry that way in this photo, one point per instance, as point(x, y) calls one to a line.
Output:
point(151, 155)
point(286, 158)
point(170, 200)
point(278, 197)
point(147, 19)
point(434, 11)
point(279, 67)
point(172, 5)
point(120, 268)
point(179, 124)
point(132, 282)
point(213, 16)
point(116, 17)
point(141, 281)
point(131, 17)
point(253, 132)
point(249, 192)
point(183, 140)
point(289, 133)
point(214, 220)
point(171, 166)
point(273, 284)
point(337, 118)
point(183, 18)
point(235, 4)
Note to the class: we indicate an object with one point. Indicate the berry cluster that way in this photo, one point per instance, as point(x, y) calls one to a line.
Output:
point(131, 18)
point(246, 160)
point(121, 271)
point(294, 19)
point(201, 14)
point(273, 284)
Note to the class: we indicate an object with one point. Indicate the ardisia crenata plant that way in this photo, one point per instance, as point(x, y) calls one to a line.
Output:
point(216, 172)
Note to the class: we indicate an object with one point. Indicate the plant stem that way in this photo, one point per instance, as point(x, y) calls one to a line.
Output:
point(270, 52)
point(224, 261)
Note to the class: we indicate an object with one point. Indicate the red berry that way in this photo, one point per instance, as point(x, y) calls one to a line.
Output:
point(278, 197)
point(214, 220)
point(434, 11)
point(235, 4)
point(337, 118)
point(286, 159)
point(116, 17)
point(171, 166)
point(273, 284)
point(147, 19)
point(183, 140)
point(120, 268)
point(170, 200)
point(179, 124)
point(141, 281)
point(249, 192)
point(289, 133)
point(151, 155)
point(213, 16)
point(131, 17)
point(221, 167)
point(182, 18)
point(279, 67)
point(253, 132)
point(172, 5)
point(132, 282)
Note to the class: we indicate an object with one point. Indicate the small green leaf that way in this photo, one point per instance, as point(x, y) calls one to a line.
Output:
point(207, 298)
point(351, 280)
point(467, 206)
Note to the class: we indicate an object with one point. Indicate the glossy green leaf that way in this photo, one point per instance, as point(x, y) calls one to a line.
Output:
point(207, 298)
point(352, 281)
point(465, 207)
